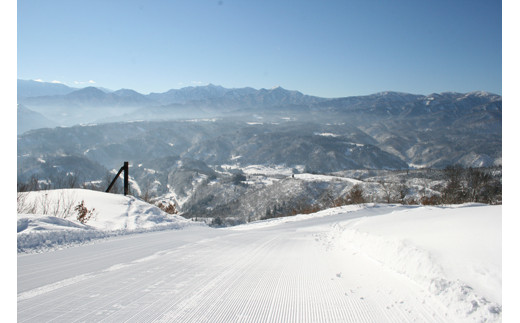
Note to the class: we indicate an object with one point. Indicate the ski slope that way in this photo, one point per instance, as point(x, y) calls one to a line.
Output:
point(371, 263)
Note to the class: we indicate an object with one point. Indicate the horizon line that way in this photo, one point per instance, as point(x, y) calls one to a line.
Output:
point(104, 89)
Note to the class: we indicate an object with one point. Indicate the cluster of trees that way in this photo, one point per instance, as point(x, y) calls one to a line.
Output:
point(289, 209)
point(459, 185)
point(354, 196)
point(470, 185)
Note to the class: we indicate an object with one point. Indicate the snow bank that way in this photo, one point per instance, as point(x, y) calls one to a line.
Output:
point(351, 209)
point(453, 252)
point(48, 219)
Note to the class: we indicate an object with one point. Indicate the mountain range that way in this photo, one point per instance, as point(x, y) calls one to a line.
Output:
point(194, 145)
point(69, 106)
point(419, 130)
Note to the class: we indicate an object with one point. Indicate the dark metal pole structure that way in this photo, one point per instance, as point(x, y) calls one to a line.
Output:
point(125, 179)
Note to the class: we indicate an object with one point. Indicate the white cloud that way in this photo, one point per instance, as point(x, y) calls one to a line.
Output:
point(38, 80)
point(84, 82)
point(57, 82)
point(192, 83)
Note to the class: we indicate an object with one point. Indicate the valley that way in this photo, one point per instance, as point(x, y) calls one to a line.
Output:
point(249, 153)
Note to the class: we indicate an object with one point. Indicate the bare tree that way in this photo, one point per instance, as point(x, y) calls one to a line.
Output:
point(91, 186)
point(63, 205)
point(22, 203)
point(31, 185)
point(43, 203)
point(454, 190)
point(72, 179)
point(477, 180)
point(355, 195)
point(387, 190)
point(146, 192)
point(402, 191)
point(327, 198)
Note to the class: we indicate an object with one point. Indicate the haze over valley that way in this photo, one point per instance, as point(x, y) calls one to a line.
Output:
point(206, 148)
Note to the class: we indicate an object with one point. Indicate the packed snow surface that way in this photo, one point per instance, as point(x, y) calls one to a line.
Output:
point(367, 263)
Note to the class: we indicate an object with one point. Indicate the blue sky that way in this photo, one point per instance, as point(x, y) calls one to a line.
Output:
point(323, 48)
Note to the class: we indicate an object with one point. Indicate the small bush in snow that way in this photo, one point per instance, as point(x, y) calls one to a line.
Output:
point(431, 200)
point(217, 222)
point(84, 214)
point(170, 208)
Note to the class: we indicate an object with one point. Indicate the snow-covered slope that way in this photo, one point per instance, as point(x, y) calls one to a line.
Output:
point(453, 252)
point(357, 263)
point(48, 218)
point(462, 242)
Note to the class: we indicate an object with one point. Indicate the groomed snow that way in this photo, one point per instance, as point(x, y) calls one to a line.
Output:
point(362, 263)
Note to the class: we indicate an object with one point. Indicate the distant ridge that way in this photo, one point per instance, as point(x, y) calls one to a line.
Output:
point(31, 88)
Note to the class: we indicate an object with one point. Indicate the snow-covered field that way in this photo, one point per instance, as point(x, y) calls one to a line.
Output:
point(367, 263)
